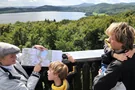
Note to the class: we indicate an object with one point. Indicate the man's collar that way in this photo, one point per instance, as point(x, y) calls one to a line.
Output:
point(119, 51)
point(8, 67)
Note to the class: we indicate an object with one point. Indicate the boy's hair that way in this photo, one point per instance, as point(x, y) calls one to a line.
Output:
point(59, 68)
point(124, 34)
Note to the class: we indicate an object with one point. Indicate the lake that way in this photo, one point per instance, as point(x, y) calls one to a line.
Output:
point(39, 16)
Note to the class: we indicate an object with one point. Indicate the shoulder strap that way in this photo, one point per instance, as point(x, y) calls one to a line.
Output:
point(20, 72)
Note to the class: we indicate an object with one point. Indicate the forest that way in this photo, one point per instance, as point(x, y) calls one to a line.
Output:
point(86, 33)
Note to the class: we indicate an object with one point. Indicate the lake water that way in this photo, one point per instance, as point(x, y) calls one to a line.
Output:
point(39, 16)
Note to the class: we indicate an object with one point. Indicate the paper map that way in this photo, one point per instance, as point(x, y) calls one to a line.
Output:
point(31, 57)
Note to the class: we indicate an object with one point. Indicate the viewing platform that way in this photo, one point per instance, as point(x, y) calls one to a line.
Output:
point(87, 65)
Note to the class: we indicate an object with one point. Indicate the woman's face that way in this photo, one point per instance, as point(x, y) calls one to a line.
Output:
point(8, 60)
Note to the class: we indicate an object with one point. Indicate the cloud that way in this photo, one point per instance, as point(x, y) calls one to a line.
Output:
point(108, 1)
point(55, 2)
point(11, 0)
point(33, 0)
point(62, 2)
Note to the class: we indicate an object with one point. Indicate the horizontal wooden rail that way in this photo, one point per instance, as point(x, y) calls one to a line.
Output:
point(87, 66)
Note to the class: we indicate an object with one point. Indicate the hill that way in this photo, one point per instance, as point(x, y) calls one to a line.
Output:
point(88, 8)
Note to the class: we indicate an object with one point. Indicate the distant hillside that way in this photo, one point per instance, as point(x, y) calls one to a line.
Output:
point(111, 8)
point(88, 8)
point(84, 5)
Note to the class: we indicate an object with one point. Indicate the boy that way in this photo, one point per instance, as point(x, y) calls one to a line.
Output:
point(58, 72)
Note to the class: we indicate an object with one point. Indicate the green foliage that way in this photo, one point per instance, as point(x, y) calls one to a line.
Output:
point(83, 34)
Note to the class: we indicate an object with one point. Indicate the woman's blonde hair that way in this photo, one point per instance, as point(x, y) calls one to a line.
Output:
point(59, 68)
point(124, 34)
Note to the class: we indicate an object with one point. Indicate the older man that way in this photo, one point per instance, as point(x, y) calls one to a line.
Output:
point(12, 74)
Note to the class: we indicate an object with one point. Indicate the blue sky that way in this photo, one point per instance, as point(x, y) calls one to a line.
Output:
point(8, 3)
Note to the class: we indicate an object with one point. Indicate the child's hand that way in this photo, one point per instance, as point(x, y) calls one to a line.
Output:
point(120, 57)
point(70, 58)
point(130, 53)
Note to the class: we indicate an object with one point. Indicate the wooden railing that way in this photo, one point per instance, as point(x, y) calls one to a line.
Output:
point(87, 68)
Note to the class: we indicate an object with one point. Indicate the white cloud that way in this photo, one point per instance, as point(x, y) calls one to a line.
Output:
point(11, 0)
point(33, 0)
point(3, 4)
point(62, 2)
point(55, 2)
point(107, 1)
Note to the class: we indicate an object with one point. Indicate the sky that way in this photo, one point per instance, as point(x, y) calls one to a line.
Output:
point(12, 3)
